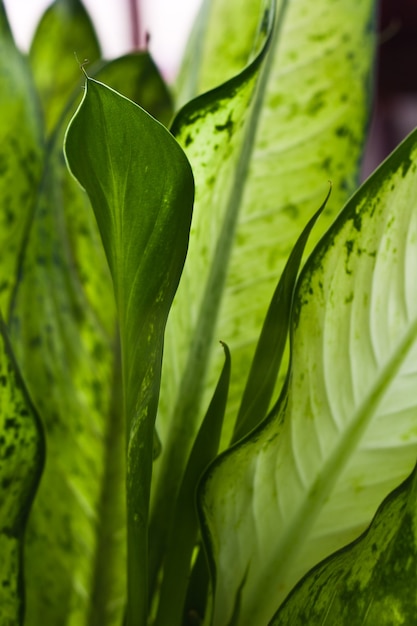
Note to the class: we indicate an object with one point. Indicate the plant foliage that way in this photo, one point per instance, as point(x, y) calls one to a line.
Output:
point(146, 478)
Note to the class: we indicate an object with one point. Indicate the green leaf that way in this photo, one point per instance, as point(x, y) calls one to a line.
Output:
point(141, 189)
point(343, 434)
point(65, 29)
point(21, 461)
point(371, 581)
point(262, 153)
point(185, 525)
point(21, 154)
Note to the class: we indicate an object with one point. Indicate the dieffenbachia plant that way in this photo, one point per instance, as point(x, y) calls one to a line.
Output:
point(148, 476)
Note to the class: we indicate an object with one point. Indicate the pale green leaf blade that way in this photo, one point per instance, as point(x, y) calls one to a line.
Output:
point(343, 434)
point(21, 156)
point(141, 188)
point(21, 462)
point(221, 43)
point(372, 581)
point(65, 30)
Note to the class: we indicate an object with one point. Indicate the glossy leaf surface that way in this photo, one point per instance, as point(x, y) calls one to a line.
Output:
point(141, 188)
point(136, 76)
point(343, 434)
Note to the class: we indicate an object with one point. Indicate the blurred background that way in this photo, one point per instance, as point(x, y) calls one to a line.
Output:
point(395, 104)
point(124, 25)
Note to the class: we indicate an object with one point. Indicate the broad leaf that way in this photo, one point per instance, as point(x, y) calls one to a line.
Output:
point(21, 461)
point(65, 30)
point(343, 434)
point(372, 581)
point(21, 154)
point(141, 189)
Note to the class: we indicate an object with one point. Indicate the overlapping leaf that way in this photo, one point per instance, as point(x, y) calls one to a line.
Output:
point(141, 188)
point(343, 435)
point(135, 76)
